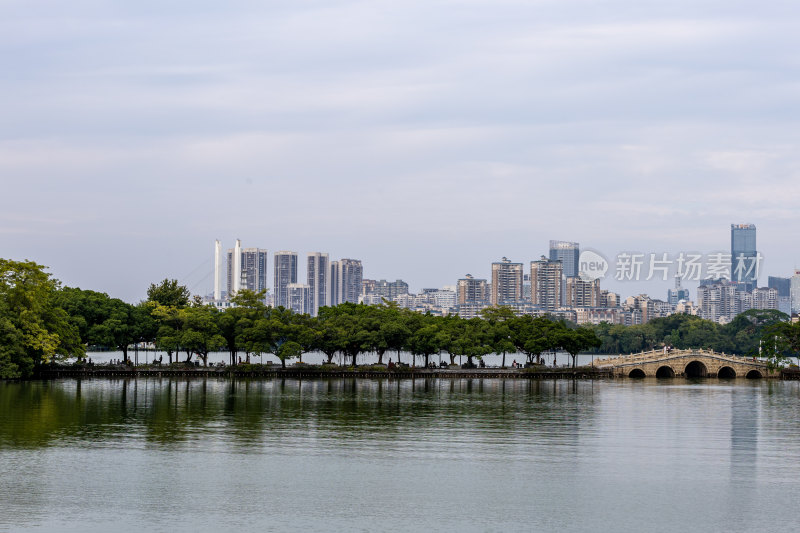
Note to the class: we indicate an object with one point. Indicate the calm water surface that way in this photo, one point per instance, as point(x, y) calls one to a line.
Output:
point(362, 455)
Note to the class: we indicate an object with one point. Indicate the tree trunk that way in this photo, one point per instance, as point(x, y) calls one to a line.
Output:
point(426, 360)
point(452, 359)
point(169, 356)
point(283, 363)
point(380, 358)
point(503, 365)
point(125, 354)
point(398, 357)
point(355, 357)
point(330, 357)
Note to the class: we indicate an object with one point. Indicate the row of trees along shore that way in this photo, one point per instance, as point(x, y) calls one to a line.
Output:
point(43, 322)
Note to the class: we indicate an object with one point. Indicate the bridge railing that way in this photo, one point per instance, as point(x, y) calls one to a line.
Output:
point(652, 355)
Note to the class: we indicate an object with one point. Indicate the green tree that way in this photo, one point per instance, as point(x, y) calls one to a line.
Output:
point(425, 341)
point(169, 323)
point(33, 329)
point(169, 293)
point(165, 301)
point(533, 336)
point(119, 330)
point(499, 320)
point(234, 321)
point(200, 334)
point(574, 341)
point(329, 335)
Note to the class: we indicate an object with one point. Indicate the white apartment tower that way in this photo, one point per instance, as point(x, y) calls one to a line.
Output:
point(506, 282)
point(217, 270)
point(235, 269)
point(546, 277)
point(299, 298)
point(794, 290)
point(318, 276)
point(285, 273)
point(345, 281)
point(247, 269)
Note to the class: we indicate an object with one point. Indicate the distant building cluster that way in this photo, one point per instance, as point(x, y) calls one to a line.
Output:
point(553, 285)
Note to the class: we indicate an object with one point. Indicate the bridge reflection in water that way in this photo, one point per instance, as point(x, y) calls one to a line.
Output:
point(684, 363)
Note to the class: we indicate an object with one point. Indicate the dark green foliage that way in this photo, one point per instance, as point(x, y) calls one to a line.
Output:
point(33, 328)
point(741, 336)
point(168, 293)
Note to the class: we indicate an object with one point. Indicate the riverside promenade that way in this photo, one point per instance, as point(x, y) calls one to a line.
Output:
point(314, 372)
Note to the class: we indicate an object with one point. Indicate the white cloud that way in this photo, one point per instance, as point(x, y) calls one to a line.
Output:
point(461, 130)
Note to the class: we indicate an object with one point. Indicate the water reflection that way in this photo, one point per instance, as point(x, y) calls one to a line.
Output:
point(245, 413)
point(480, 454)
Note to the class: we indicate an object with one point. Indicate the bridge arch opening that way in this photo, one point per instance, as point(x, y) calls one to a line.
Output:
point(726, 372)
point(636, 373)
point(695, 369)
point(754, 374)
point(665, 372)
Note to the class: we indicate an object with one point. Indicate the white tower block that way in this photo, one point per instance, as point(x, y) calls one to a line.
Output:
point(217, 253)
point(237, 267)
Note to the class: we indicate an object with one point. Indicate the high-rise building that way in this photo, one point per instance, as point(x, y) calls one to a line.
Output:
point(582, 293)
point(764, 298)
point(744, 257)
point(609, 299)
point(782, 285)
point(546, 276)
point(299, 298)
point(506, 282)
point(717, 301)
point(345, 281)
point(285, 273)
point(234, 269)
point(568, 253)
point(784, 288)
point(247, 269)
point(368, 286)
point(678, 293)
point(472, 291)
point(319, 270)
point(254, 269)
point(795, 291)
point(390, 289)
point(443, 298)
point(217, 270)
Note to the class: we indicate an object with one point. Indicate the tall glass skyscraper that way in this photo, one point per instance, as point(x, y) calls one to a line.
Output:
point(568, 253)
point(744, 257)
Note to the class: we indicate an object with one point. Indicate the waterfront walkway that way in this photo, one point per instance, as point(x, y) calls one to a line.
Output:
point(315, 371)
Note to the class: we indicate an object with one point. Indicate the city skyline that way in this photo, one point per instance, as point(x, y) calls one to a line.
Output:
point(553, 288)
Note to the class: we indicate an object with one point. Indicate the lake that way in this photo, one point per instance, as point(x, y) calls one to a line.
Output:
point(399, 455)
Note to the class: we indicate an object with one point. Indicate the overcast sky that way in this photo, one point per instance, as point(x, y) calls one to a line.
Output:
point(427, 138)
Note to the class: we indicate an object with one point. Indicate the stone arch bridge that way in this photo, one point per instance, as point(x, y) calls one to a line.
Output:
point(684, 363)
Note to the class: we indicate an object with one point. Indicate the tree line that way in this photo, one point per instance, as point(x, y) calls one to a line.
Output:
point(41, 322)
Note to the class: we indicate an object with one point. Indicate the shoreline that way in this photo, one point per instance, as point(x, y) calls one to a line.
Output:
point(317, 372)
point(364, 372)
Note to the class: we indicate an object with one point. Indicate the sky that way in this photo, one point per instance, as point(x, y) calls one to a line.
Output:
point(426, 138)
